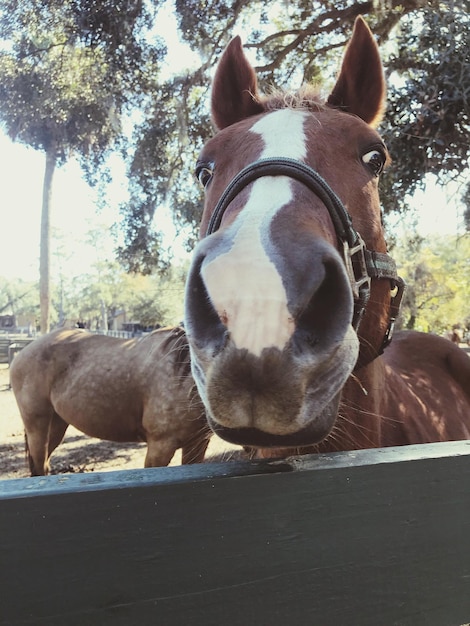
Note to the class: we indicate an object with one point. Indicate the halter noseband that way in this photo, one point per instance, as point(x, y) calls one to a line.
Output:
point(361, 264)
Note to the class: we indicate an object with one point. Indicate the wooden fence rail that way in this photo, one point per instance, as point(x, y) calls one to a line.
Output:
point(376, 537)
point(11, 345)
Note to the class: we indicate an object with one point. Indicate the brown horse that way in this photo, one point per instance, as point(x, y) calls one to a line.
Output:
point(114, 389)
point(291, 298)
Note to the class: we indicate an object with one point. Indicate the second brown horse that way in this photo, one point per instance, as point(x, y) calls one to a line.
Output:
point(114, 389)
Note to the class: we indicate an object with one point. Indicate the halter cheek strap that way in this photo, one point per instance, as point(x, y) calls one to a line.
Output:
point(361, 264)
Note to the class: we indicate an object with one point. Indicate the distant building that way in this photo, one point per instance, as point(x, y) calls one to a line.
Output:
point(7, 322)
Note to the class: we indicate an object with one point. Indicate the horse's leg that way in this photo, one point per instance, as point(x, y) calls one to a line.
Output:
point(32, 469)
point(195, 449)
point(37, 441)
point(56, 434)
point(160, 452)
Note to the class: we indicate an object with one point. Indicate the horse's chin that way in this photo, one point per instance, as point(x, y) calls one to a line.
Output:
point(282, 399)
point(315, 431)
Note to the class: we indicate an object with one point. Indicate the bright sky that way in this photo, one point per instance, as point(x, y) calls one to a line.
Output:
point(74, 203)
point(439, 210)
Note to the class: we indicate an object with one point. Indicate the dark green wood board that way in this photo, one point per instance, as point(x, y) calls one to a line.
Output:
point(379, 537)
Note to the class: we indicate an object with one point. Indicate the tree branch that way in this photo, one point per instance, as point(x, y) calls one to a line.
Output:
point(335, 20)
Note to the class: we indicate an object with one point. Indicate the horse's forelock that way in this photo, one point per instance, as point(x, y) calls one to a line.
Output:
point(306, 98)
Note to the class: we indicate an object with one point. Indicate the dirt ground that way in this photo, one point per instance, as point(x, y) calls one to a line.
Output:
point(78, 452)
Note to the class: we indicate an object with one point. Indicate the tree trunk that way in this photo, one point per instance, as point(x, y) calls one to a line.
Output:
point(104, 316)
point(45, 252)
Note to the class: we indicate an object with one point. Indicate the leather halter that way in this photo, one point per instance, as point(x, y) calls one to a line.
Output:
point(361, 264)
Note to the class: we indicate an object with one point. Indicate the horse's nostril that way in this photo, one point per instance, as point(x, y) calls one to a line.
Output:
point(330, 308)
point(311, 340)
point(202, 321)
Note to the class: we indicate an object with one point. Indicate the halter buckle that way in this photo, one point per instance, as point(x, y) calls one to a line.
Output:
point(395, 303)
point(359, 279)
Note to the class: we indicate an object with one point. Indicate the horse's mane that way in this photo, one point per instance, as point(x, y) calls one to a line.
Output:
point(307, 97)
point(177, 343)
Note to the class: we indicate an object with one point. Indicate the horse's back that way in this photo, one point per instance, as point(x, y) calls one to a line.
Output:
point(76, 357)
point(411, 350)
point(33, 364)
point(430, 386)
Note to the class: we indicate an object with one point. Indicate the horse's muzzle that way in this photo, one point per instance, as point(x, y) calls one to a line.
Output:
point(282, 396)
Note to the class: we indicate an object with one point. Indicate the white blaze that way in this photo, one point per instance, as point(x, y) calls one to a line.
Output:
point(243, 283)
point(283, 134)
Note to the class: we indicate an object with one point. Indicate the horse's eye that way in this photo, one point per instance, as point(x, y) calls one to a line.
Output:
point(375, 161)
point(204, 173)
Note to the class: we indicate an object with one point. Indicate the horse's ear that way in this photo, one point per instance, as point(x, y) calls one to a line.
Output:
point(360, 87)
point(234, 90)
